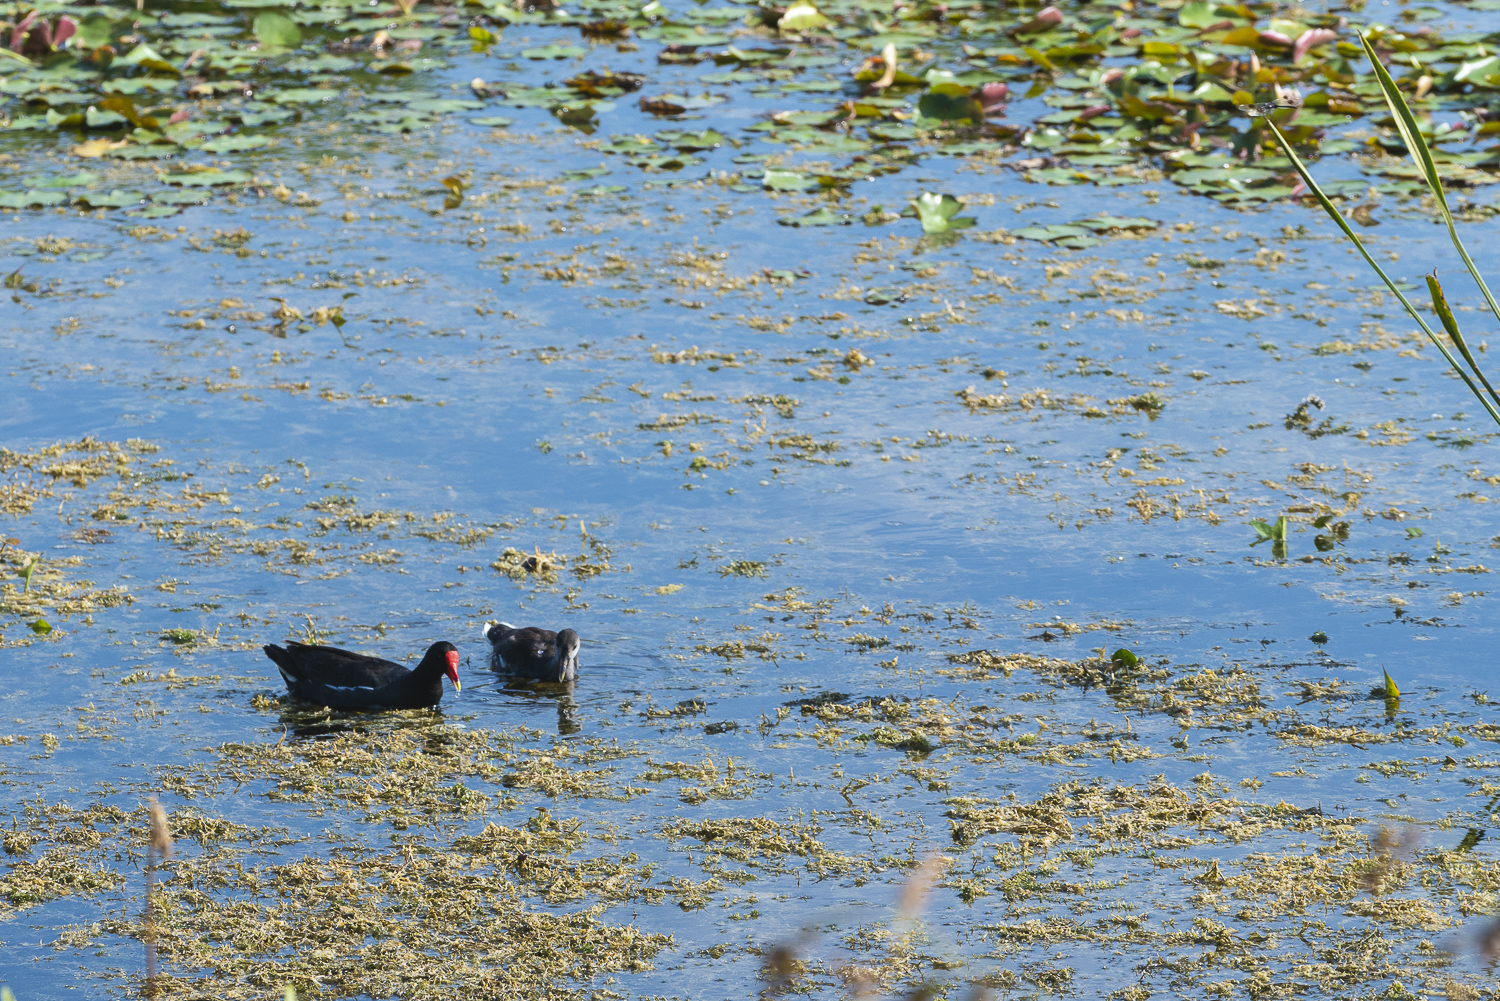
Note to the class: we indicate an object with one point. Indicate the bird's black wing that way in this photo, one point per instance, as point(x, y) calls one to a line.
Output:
point(329, 665)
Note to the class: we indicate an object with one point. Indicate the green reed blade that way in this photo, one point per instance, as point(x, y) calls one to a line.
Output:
point(1450, 323)
point(1411, 310)
point(1411, 135)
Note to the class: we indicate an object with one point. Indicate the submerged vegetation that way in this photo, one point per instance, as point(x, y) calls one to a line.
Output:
point(442, 908)
point(853, 377)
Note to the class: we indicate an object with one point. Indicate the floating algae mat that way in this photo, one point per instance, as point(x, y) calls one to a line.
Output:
point(1017, 551)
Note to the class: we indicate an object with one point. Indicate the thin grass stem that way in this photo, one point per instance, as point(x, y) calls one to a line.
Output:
point(1411, 135)
point(1450, 323)
point(1333, 213)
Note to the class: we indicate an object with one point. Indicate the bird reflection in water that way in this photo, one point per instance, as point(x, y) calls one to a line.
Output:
point(568, 721)
point(304, 722)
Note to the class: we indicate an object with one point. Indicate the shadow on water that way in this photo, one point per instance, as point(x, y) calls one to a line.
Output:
point(309, 722)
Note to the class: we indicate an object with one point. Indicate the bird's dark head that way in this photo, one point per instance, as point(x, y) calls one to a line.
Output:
point(567, 655)
point(443, 656)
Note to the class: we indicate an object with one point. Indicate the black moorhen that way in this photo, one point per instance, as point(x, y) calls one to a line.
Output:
point(539, 654)
point(340, 679)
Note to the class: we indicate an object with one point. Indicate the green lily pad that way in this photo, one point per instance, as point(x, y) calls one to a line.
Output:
point(277, 31)
point(209, 178)
point(694, 102)
point(158, 151)
point(788, 180)
point(802, 16)
point(136, 84)
point(181, 196)
point(304, 95)
point(116, 199)
point(400, 96)
point(823, 216)
point(443, 106)
point(235, 144)
point(31, 199)
point(405, 124)
point(1109, 223)
point(79, 180)
point(1345, 187)
point(321, 64)
point(1046, 234)
point(265, 115)
point(939, 213)
point(96, 30)
point(533, 97)
point(1058, 175)
point(811, 87)
point(666, 161)
point(949, 102)
point(631, 144)
point(554, 52)
point(689, 141)
point(96, 119)
point(145, 56)
point(183, 131)
point(154, 211)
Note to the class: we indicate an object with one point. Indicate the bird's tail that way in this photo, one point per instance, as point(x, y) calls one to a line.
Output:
point(283, 662)
point(497, 628)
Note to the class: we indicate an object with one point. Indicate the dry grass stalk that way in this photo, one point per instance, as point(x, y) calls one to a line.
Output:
point(784, 963)
point(917, 888)
point(160, 849)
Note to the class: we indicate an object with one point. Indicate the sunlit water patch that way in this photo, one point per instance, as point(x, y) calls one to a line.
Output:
point(673, 327)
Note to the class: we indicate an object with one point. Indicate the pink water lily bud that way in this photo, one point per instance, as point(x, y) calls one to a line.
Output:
point(1094, 112)
point(1111, 75)
point(181, 115)
point(34, 36)
point(1275, 38)
point(1047, 17)
point(1310, 39)
point(18, 36)
point(992, 95)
